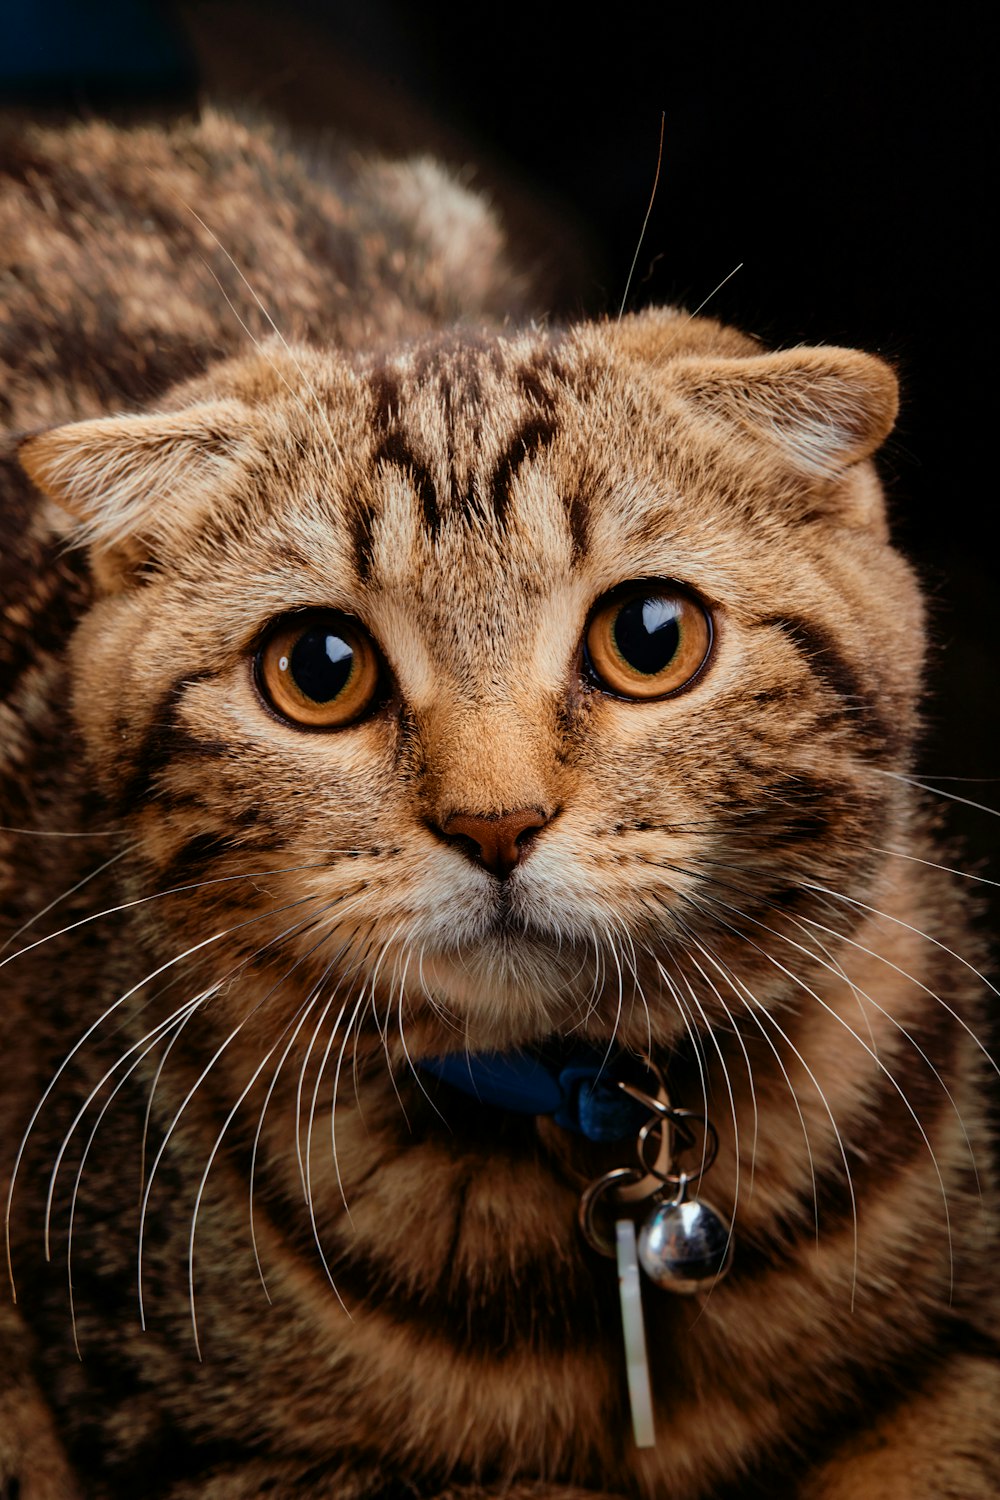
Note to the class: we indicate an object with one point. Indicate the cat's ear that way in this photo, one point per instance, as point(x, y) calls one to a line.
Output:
point(824, 409)
point(136, 485)
point(810, 412)
point(814, 412)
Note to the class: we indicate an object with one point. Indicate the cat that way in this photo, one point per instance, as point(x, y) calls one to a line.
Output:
point(392, 678)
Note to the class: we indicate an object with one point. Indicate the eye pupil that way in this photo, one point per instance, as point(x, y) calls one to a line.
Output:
point(647, 634)
point(321, 665)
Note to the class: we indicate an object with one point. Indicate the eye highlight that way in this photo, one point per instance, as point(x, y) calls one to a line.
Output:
point(318, 669)
point(647, 640)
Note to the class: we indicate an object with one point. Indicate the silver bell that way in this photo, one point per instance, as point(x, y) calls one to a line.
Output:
point(685, 1246)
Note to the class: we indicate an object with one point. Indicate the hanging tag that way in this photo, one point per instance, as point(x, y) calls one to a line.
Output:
point(634, 1330)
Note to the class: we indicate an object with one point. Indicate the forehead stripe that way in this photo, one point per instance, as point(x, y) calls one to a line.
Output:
point(578, 517)
point(531, 438)
point(490, 494)
point(362, 525)
point(385, 390)
point(393, 451)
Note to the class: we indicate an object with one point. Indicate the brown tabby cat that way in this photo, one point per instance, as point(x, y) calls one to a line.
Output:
point(430, 684)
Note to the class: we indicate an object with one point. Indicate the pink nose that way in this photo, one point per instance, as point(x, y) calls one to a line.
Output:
point(497, 842)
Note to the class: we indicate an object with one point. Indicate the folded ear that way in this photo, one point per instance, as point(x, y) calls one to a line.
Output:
point(824, 409)
point(137, 485)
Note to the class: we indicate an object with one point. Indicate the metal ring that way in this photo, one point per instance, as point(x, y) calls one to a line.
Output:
point(651, 1170)
point(710, 1149)
point(619, 1178)
point(657, 1072)
point(655, 1106)
point(660, 1108)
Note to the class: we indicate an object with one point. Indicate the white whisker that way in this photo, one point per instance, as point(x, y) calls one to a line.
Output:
point(57, 900)
point(232, 1113)
point(899, 922)
point(178, 1020)
point(797, 980)
point(81, 1042)
point(187, 1099)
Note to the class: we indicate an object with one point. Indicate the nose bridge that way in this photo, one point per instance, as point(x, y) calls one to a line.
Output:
point(490, 760)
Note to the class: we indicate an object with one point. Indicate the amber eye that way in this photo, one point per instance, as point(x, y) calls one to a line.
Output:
point(318, 669)
point(646, 640)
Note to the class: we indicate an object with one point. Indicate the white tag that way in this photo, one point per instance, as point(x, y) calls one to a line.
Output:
point(636, 1365)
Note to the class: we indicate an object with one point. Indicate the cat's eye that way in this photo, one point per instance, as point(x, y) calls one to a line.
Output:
point(318, 669)
point(647, 640)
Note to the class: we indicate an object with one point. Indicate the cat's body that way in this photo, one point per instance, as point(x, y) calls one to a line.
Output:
point(740, 856)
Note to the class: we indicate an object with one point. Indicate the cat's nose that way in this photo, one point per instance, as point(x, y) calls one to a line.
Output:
point(499, 841)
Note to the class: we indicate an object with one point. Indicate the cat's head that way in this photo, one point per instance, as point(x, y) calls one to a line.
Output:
point(516, 684)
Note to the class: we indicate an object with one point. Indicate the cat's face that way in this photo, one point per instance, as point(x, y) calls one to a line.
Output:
point(370, 662)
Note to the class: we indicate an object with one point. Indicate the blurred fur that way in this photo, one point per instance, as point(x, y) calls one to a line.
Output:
point(741, 878)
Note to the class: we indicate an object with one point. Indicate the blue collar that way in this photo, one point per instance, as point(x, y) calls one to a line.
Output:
point(577, 1085)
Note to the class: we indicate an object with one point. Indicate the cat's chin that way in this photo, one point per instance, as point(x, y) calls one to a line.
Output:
point(498, 996)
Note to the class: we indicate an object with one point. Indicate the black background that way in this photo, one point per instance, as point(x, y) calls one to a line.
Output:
point(840, 157)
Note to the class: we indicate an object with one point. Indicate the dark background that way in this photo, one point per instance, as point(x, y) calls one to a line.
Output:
point(841, 158)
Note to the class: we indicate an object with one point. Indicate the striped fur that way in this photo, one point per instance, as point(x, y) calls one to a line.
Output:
point(741, 877)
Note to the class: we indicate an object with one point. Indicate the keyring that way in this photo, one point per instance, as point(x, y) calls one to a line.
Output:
point(647, 1183)
point(710, 1148)
point(620, 1177)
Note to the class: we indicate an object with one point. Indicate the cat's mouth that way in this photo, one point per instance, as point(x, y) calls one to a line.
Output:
point(508, 923)
point(508, 962)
